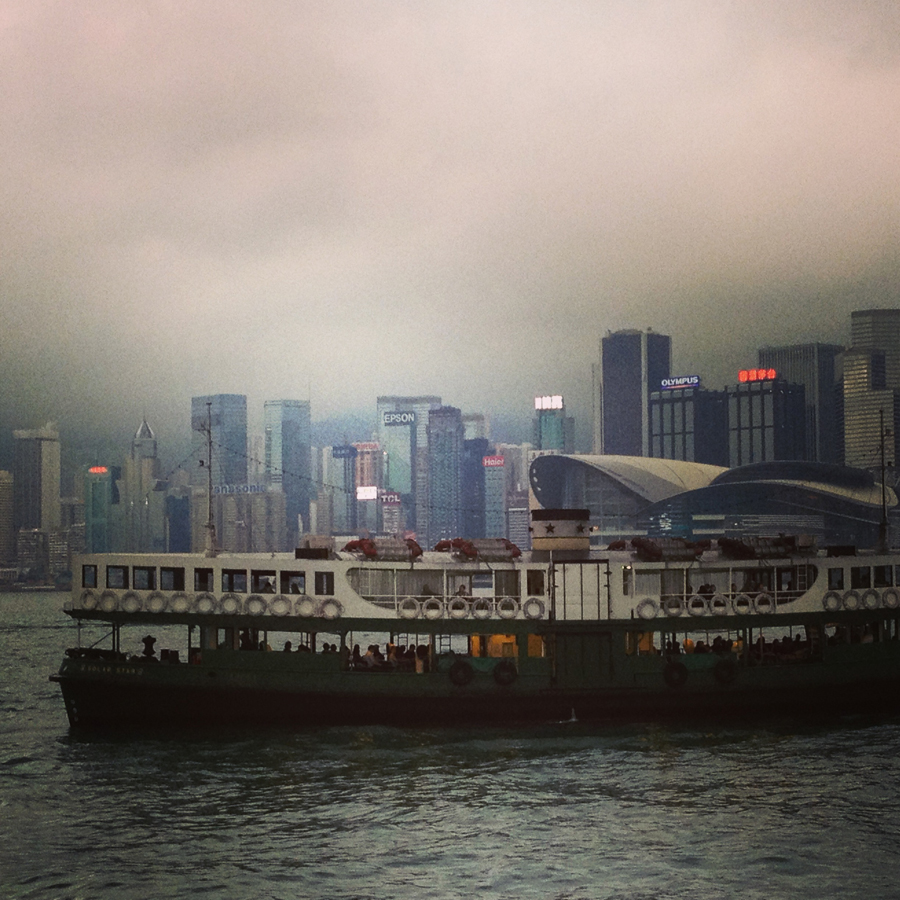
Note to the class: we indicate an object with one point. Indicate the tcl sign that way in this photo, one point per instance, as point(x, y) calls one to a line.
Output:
point(399, 418)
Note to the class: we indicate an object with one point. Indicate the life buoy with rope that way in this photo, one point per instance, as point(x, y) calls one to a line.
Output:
point(408, 608)
point(109, 601)
point(482, 608)
point(718, 605)
point(647, 608)
point(870, 599)
point(156, 602)
point(458, 608)
point(331, 608)
point(673, 606)
point(505, 673)
point(432, 608)
point(696, 605)
point(256, 605)
point(281, 605)
point(742, 605)
point(206, 604)
point(890, 598)
point(180, 603)
point(231, 604)
point(461, 673)
point(832, 601)
point(851, 600)
point(507, 607)
point(131, 602)
point(305, 606)
point(533, 608)
point(763, 603)
point(89, 600)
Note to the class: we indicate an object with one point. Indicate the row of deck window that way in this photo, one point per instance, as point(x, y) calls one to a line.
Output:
point(863, 577)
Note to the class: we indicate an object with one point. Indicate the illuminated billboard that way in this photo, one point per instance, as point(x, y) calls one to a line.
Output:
point(549, 402)
point(680, 381)
point(367, 492)
point(746, 375)
point(398, 418)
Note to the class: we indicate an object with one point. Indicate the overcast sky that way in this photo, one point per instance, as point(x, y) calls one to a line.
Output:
point(345, 199)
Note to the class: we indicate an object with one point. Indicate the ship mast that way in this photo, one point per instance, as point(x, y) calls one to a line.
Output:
point(211, 543)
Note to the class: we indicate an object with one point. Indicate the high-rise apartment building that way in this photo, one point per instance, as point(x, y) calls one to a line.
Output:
point(495, 496)
point(472, 517)
point(288, 454)
point(227, 414)
point(871, 370)
point(7, 532)
point(632, 365)
point(553, 429)
point(445, 453)
point(815, 366)
point(100, 496)
point(36, 475)
point(688, 422)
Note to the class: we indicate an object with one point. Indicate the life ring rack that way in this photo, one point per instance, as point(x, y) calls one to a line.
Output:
point(408, 608)
point(696, 605)
point(458, 607)
point(533, 608)
point(482, 608)
point(206, 604)
point(305, 606)
point(281, 605)
point(331, 608)
point(231, 604)
point(507, 607)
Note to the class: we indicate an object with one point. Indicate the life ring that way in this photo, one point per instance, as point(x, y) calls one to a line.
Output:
point(696, 605)
point(461, 673)
point(156, 602)
point(832, 601)
point(231, 604)
point(890, 598)
point(89, 600)
point(673, 606)
point(647, 608)
point(675, 674)
point(305, 606)
point(742, 605)
point(206, 604)
point(507, 607)
point(109, 601)
point(533, 608)
point(482, 608)
point(131, 602)
point(281, 606)
point(505, 673)
point(408, 608)
point(181, 603)
point(718, 605)
point(851, 600)
point(432, 608)
point(256, 605)
point(458, 608)
point(331, 608)
point(725, 671)
point(763, 603)
point(870, 599)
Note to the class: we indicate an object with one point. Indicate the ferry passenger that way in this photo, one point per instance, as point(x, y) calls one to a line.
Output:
point(356, 657)
point(421, 659)
point(149, 651)
point(287, 646)
point(688, 645)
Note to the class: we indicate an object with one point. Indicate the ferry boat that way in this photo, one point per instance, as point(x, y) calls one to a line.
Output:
point(475, 631)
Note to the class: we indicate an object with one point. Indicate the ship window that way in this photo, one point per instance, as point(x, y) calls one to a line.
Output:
point(835, 579)
point(117, 577)
point(324, 583)
point(144, 578)
point(506, 584)
point(89, 576)
point(262, 582)
point(171, 579)
point(203, 580)
point(534, 579)
point(293, 582)
point(882, 576)
point(234, 580)
point(860, 577)
point(897, 575)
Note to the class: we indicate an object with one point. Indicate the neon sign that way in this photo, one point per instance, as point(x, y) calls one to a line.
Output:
point(746, 375)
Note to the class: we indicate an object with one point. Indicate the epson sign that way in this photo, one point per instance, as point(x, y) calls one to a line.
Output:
point(682, 381)
point(399, 418)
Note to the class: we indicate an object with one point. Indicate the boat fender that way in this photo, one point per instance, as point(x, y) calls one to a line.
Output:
point(231, 604)
point(851, 600)
point(180, 603)
point(281, 606)
point(890, 598)
point(256, 605)
point(331, 608)
point(156, 602)
point(408, 608)
point(675, 674)
point(109, 601)
point(89, 599)
point(725, 671)
point(458, 608)
point(763, 603)
point(870, 599)
point(507, 607)
point(696, 606)
point(131, 602)
point(742, 604)
point(832, 601)
point(482, 608)
point(305, 606)
point(206, 604)
point(505, 673)
point(673, 606)
point(718, 605)
point(461, 673)
point(647, 608)
point(533, 608)
point(433, 608)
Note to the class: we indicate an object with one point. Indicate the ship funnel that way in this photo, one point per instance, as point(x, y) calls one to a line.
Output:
point(563, 532)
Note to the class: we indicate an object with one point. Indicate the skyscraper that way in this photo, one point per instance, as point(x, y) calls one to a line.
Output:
point(289, 459)
point(228, 414)
point(445, 453)
point(632, 364)
point(36, 474)
point(553, 429)
point(144, 502)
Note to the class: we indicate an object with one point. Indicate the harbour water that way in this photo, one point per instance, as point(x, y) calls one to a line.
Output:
point(564, 811)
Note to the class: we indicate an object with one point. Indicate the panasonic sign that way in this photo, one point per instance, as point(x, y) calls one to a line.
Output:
point(399, 418)
point(681, 381)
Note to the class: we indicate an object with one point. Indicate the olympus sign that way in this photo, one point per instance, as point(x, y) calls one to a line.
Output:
point(682, 381)
point(399, 418)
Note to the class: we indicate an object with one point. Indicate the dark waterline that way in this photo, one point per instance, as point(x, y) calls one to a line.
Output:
point(562, 811)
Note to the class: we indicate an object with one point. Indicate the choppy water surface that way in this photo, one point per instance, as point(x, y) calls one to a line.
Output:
point(560, 811)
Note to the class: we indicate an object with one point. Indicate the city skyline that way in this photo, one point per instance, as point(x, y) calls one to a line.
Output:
point(339, 204)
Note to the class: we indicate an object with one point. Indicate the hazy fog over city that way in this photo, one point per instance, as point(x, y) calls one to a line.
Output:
point(337, 201)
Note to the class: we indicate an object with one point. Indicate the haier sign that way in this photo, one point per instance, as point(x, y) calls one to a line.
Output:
point(398, 418)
